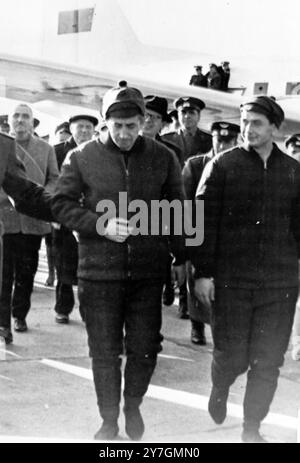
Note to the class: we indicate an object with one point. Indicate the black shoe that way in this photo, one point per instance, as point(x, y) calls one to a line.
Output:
point(108, 431)
point(6, 334)
point(168, 295)
point(20, 325)
point(61, 318)
point(134, 424)
point(197, 333)
point(217, 405)
point(252, 436)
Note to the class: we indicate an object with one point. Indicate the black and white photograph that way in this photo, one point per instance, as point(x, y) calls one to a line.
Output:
point(149, 224)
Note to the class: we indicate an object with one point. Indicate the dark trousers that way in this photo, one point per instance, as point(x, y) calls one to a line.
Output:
point(121, 314)
point(251, 331)
point(20, 262)
point(183, 294)
point(65, 300)
point(66, 262)
point(198, 312)
point(169, 280)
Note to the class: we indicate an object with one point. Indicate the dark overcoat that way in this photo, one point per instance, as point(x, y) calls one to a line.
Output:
point(65, 244)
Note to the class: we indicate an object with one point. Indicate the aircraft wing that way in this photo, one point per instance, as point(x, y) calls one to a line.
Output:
point(37, 81)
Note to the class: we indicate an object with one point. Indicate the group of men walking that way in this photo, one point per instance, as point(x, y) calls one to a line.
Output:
point(243, 278)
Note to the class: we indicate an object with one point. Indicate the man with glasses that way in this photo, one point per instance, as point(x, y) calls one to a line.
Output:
point(155, 116)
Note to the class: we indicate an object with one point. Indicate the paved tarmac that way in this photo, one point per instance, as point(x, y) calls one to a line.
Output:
point(47, 393)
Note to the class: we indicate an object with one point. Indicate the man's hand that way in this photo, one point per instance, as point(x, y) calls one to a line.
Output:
point(118, 230)
point(180, 273)
point(205, 291)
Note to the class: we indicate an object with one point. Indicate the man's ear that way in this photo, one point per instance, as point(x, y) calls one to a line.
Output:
point(275, 131)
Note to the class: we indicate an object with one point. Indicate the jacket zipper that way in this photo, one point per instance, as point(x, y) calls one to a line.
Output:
point(127, 243)
point(263, 217)
point(264, 192)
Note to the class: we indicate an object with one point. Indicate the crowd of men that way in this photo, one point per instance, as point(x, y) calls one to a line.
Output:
point(217, 78)
point(242, 281)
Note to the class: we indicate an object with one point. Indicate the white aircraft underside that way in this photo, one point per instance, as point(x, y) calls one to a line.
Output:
point(60, 72)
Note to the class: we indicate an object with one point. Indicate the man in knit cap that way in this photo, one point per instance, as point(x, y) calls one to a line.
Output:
point(121, 273)
point(246, 270)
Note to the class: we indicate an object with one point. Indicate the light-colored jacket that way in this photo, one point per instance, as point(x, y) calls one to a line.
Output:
point(41, 167)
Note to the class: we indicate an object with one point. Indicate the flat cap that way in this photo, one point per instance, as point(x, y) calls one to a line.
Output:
point(293, 139)
point(123, 100)
point(86, 117)
point(159, 105)
point(189, 102)
point(63, 126)
point(225, 130)
point(267, 106)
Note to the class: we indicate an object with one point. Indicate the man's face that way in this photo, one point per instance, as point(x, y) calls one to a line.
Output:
point(256, 129)
point(82, 130)
point(62, 136)
point(213, 70)
point(4, 128)
point(188, 118)
point(221, 144)
point(124, 131)
point(153, 123)
point(22, 122)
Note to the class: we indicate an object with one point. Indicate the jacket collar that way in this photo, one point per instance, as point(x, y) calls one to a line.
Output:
point(70, 143)
point(185, 132)
point(108, 142)
point(274, 153)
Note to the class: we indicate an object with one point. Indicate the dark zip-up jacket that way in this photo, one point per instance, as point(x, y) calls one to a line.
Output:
point(251, 220)
point(65, 244)
point(172, 146)
point(63, 148)
point(98, 171)
point(202, 143)
point(192, 172)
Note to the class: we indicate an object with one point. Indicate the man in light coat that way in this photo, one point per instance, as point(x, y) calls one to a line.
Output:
point(29, 199)
point(22, 234)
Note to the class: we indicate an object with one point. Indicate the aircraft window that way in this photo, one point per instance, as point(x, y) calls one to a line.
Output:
point(292, 88)
point(261, 88)
point(72, 22)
